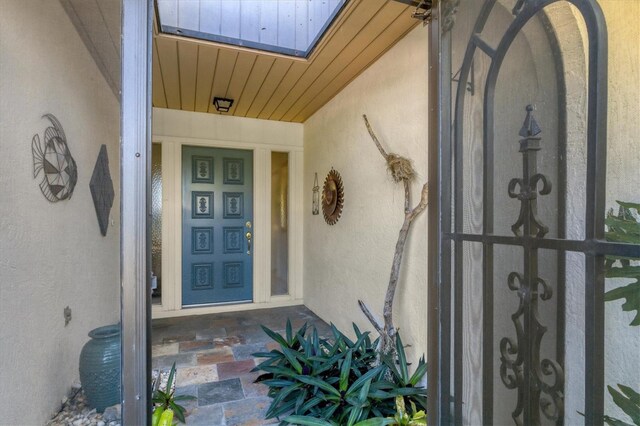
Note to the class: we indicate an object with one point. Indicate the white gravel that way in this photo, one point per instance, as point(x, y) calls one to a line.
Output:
point(76, 412)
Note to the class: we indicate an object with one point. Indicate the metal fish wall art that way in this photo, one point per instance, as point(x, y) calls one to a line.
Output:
point(53, 158)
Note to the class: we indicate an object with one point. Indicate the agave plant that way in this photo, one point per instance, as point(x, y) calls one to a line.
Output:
point(335, 380)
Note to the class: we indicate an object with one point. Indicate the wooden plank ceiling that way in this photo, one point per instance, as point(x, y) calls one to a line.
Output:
point(189, 73)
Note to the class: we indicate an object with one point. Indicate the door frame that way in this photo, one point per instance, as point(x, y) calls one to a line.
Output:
point(135, 182)
point(171, 302)
point(435, 333)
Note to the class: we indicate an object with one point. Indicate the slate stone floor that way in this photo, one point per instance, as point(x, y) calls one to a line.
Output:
point(213, 360)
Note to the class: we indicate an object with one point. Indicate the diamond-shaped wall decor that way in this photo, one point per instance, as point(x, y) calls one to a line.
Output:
point(101, 187)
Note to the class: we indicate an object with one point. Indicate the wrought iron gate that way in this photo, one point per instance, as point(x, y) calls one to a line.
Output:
point(515, 291)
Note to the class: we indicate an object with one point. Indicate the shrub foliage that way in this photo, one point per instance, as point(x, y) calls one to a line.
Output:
point(337, 380)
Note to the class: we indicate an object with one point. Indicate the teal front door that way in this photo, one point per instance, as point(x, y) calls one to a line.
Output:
point(217, 226)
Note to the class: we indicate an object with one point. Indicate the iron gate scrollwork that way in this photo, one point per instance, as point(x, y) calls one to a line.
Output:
point(539, 380)
point(521, 367)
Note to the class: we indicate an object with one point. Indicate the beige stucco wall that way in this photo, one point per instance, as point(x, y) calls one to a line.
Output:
point(622, 342)
point(623, 131)
point(352, 259)
point(218, 127)
point(51, 255)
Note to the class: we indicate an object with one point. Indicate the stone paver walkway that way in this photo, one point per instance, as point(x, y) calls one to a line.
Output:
point(213, 360)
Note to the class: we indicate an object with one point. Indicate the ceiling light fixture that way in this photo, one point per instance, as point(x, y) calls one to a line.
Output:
point(222, 104)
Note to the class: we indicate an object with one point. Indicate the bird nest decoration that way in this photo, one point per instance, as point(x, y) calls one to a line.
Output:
point(332, 197)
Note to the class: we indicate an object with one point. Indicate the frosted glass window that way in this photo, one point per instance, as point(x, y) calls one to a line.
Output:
point(279, 223)
point(156, 221)
point(291, 27)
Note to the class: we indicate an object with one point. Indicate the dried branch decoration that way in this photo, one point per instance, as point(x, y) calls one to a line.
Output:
point(401, 170)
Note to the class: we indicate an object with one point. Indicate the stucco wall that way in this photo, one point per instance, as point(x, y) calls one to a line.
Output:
point(52, 255)
point(622, 342)
point(352, 259)
point(218, 127)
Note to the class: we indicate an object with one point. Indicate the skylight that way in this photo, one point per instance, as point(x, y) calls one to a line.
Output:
point(290, 27)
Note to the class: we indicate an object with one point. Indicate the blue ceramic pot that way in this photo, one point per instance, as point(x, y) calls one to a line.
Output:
point(100, 367)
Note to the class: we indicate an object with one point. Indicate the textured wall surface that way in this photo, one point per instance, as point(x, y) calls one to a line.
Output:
point(352, 259)
point(622, 342)
point(168, 122)
point(571, 34)
point(52, 255)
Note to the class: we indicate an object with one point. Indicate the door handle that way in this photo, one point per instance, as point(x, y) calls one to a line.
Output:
point(248, 235)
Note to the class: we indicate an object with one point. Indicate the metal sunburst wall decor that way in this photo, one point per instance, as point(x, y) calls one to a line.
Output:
point(332, 197)
point(54, 159)
point(102, 192)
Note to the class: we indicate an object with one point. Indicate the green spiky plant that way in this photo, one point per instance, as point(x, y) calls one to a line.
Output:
point(404, 418)
point(401, 418)
point(335, 380)
point(624, 228)
point(165, 399)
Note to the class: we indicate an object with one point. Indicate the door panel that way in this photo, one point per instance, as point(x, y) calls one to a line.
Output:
point(217, 218)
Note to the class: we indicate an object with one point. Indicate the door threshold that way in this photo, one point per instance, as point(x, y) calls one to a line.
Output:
point(220, 308)
point(207, 305)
